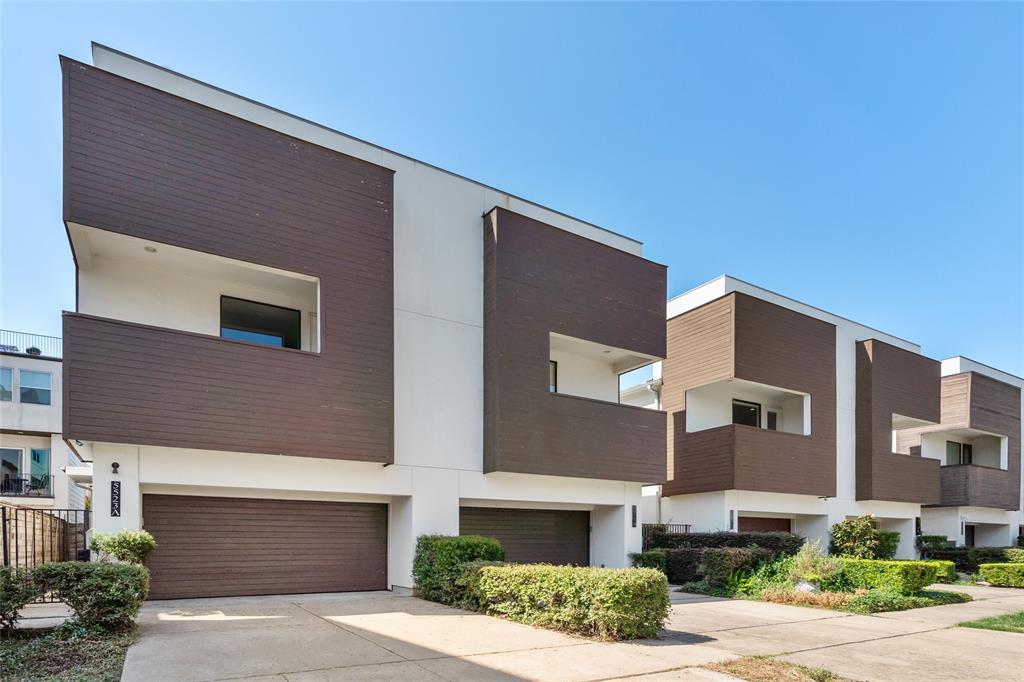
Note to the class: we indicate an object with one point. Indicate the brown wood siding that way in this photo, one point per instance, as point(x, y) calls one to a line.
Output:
point(144, 163)
point(226, 546)
point(744, 337)
point(540, 279)
point(761, 524)
point(531, 536)
point(890, 381)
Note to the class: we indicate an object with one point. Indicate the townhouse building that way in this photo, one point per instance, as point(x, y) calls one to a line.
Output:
point(294, 352)
point(782, 416)
point(37, 468)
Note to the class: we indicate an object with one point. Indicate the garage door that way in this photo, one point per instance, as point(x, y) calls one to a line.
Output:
point(759, 524)
point(532, 535)
point(227, 546)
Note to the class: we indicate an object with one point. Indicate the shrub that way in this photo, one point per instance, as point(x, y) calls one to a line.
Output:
point(681, 564)
point(130, 546)
point(718, 564)
point(905, 577)
point(888, 543)
point(856, 537)
point(811, 564)
point(1014, 555)
point(652, 558)
point(826, 600)
point(467, 591)
point(927, 542)
point(890, 599)
point(945, 571)
point(776, 543)
point(1003, 575)
point(774, 574)
point(438, 563)
point(16, 590)
point(629, 603)
point(103, 596)
point(968, 559)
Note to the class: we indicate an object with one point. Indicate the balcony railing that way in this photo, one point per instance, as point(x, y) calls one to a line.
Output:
point(26, 485)
point(30, 344)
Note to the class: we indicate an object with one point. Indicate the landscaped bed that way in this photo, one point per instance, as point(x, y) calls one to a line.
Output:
point(766, 669)
point(1011, 622)
point(64, 656)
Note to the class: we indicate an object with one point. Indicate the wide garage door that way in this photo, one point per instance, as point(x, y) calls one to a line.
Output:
point(532, 535)
point(228, 546)
point(760, 524)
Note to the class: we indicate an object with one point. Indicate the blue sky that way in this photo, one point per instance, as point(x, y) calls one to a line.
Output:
point(867, 158)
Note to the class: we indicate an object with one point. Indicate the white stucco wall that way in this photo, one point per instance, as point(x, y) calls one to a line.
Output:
point(18, 416)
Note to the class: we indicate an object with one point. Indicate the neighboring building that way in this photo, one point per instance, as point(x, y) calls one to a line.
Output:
point(447, 358)
point(978, 444)
point(782, 416)
point(34, 459)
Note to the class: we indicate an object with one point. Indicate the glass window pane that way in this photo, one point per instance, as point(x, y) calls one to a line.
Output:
point(10, 462)
point(39, 462)
point(746, 413)
point(251, 337)
point(30, 379)
point(6, 383)
point(35, 396)
point(952, 452)
point(553, 376)
point(967, 454)
point(261, 323)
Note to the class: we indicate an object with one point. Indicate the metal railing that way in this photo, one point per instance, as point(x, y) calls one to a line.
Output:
point(32, 537)
point(649, 530)
point(30, 344)
point(26, 485)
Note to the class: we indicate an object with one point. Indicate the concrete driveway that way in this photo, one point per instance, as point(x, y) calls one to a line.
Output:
point(385, 636)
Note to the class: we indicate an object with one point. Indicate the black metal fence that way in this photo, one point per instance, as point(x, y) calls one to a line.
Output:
point(649, 530)
point(32, 537)
point(30, 344)
point(27, 485)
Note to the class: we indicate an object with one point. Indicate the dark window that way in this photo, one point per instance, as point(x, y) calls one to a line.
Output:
point(967, 454)
point(772, 419)
point(959, 453)
point(6, 383)
point(746, 413)
point(552, 376)
point(269, 325)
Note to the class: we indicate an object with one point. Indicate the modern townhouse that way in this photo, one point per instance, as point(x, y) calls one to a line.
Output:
point(978, 445)
point(782, 416)
point(37, 468)
point(294, 352)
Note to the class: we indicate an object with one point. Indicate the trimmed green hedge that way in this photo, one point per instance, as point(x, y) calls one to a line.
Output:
point(929, 542)
point(907, 577)
point(103, 596)
point(945, 571)
point(968, 559)
point(712, 565)
point(888, 543)
point(629, 603)
point(1003, 575)
point(776, 543)
point(437, 565)
point(652, 558)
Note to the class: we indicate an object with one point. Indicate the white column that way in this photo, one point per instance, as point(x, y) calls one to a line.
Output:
point(127, 458)
point(613, 534)
point(432, 509)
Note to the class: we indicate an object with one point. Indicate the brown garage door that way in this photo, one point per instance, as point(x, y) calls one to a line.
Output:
point(532, 535)
point(760, 524)
point(227, 546)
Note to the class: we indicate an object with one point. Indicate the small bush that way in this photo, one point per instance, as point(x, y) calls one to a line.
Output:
point(774, 574)
point(856, 537)
point(1014, 555)
point(889, 599)
point(652, 558)
point(437, 564)
point(775, 543)
point(906, 577)
point(629, 603)
point(1003, 575)
point(16, 590)
point(945, 571)
point(825, 600)
point(719, 564)
point(811, 564)
point(103, 596)
point(927, 542)
point(888, 544)
point(130, 546)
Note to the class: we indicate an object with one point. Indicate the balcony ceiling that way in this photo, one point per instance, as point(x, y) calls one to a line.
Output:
point(621, 360)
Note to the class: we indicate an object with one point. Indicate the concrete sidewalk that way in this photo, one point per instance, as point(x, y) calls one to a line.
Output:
point(384, 636)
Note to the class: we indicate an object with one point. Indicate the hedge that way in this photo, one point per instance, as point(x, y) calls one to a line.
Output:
point(945, 571)
point(131, 546)
point(776, 543)
point(628, 603)
point(713, 565)
point(437, 565)
point(929, 542)
point(103, 596)
point(888, 543)
point(1003, 575)
point(653, 558)
point(907, 577)
point(16, 590)
point(968, 559)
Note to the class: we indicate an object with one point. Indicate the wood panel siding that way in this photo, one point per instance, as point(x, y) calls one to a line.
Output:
point(549, 536)
point(744, 337)
point(537, 280)
point(226, 546)
point(144, 163)
point(893, 381)
point(763, 524)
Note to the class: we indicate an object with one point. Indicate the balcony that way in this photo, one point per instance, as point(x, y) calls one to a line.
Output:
point(739, 457)
point(26, 485)
point(974, 485)
point(133, 383)
point(23, 343)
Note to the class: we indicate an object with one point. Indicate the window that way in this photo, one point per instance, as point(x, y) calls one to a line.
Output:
point(6, 384)
point(35, 387)
point(746, 413)
point(959, 453)
point(39, 466)
point(10, 470)
point(261, 323)
point(772, 420)
point(552, 376)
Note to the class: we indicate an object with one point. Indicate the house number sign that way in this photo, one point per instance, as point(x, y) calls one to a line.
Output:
point(115, 498)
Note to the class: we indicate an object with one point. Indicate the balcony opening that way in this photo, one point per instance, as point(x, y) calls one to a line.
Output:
point(25, 472)
point(957, 447)
point(747, 403)
point(135, 280)
point(589, 370)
